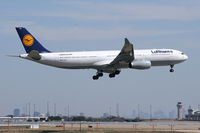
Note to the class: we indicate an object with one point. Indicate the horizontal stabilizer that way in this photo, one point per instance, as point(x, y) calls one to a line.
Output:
point(13, 55)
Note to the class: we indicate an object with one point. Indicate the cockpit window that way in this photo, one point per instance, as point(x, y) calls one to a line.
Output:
point(182, 53)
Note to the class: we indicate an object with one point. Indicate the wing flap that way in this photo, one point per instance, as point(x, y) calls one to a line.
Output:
point(102, 63)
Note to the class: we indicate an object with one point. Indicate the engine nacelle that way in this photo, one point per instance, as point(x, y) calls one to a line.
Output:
point(140, 64)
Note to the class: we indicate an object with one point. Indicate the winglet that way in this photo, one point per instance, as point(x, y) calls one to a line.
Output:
point(126, 41)
point(128, 47)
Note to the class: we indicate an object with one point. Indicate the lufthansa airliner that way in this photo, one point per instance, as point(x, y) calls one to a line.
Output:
point(111, 62)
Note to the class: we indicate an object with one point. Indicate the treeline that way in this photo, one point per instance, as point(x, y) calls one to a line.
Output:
point(91, 119)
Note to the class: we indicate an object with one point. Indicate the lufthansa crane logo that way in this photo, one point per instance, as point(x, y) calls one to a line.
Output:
point(28, 40)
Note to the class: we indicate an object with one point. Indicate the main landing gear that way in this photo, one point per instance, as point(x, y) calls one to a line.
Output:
point(112, 75)
point(171, 70)
point(98, 74)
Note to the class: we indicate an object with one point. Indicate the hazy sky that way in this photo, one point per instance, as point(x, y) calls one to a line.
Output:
point(99, 25)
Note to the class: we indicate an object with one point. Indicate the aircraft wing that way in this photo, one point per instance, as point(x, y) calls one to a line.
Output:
point(126, 55)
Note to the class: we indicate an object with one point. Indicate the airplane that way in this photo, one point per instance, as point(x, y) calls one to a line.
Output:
point(111, 62)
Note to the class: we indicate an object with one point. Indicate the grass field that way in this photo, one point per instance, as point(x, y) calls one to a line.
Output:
point(163, 127)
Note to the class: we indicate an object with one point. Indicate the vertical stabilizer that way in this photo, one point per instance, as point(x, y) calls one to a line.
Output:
point(29, 42)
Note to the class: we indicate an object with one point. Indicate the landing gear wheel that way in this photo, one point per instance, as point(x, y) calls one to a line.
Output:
point(95, 77)
point(100, 74)
point(117, 72)
point(112, 75)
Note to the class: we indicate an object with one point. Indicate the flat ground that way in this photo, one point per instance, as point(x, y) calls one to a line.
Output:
point(152, 127)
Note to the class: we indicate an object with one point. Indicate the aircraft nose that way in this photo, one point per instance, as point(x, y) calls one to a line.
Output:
point(185, 57)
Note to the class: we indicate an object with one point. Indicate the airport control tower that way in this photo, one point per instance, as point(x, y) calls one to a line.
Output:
point(179, 111)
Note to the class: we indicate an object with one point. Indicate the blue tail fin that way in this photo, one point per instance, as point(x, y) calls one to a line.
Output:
point(29, 42)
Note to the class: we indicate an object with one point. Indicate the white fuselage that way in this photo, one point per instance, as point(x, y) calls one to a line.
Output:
point(94, 59)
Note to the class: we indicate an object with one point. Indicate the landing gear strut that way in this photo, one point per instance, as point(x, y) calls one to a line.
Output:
point(171, 70)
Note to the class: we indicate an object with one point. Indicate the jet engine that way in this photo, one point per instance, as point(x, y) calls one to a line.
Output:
point(140, 64)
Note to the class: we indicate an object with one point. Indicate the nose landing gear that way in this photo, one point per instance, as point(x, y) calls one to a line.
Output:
point(171, 70)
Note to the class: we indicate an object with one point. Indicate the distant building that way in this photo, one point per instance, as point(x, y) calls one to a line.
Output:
point(179, 111)
point(159, 115)
point(81, 114)
point(172, 114)
point(144, 115)
point(106, 115)
point(60, 115)
point(16, 112)
point(36, 114)
point(23, 115)
point(42, 115)
point(47, 114)
point(184, 112)
point(192, 115)
point(134, 114)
